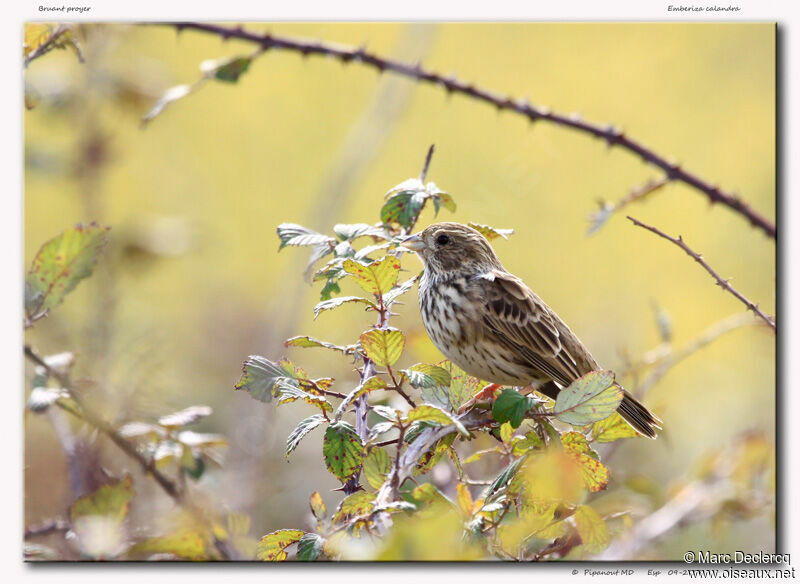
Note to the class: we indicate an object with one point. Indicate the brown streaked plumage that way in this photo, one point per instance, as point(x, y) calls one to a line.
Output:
point(490, 324)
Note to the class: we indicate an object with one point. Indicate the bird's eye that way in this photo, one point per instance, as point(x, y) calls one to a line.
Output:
point(443, 239)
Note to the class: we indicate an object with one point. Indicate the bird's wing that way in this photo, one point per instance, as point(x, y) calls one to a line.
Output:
point(524, 323)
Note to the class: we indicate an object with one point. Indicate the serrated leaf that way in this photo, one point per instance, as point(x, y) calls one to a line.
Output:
point(503, 478)
point(228, 70)
point(60, 264)
point(272, 547)
point(371, 384)
point(491, 233)
point(359, 503)
point(594, 473)
point(521, 445)
point(462, 386)
point(260, 375)
point(334, 302)
point(612, 428)
point(377, 278)
point(300, 432)
point(184, 544)
point(387, 413)
point(306, 342)
point(383, 346)
point(429, 413)
point(576, 443)
point(111, 501)
point(591, 528)
point(293, 234)
point(290, 392)
point(511, 406)
point(185, 417)
point(309, 548)
point(403, 208)
point(342, 450)
point(432, 381)
point(392, 295)
point(353, 231)
point(588, 399)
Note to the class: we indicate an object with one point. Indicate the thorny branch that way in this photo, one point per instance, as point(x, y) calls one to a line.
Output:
point(606, 209)
point(612, 135)
point(724, 284)
point(95, 420)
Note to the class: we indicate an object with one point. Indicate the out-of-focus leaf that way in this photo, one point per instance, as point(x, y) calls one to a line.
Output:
point(141, 430)
point(186, 417)
point(260, 375)
point(112, 501)
point(376, 466)
point(342, 450)
point(591, 528)
point(184, 544)
point(588, 399)
point(511, 406)
point(503, 478)
point(552, 476)
point(491, 233)
point(60, 264)
point(376, 278)
point(309, 548)
point(42, 398)
point(595, 474)
point(612, 428)
point(383, 346)
point(171, 95)
point(293, 234)
point(228, 70)
point(317, 506)
point(301, 430)
point(334, 302)
point(464, 499)
point(429, 413)
point(272, 547)
point(370, 384)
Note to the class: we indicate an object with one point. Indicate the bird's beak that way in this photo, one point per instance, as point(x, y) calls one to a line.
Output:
point(414, 243)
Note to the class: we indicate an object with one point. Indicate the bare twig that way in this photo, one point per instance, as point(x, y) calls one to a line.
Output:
point(424, 173)
point(724, 284)
point(50, 44)
point(612, 135)
point(599, 217)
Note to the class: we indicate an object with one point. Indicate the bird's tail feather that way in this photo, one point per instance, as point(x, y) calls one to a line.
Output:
point(638, 416)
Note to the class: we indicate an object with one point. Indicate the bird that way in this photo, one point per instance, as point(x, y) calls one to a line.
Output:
point(490, 324)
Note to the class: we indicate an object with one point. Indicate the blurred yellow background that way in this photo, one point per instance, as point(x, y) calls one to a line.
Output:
point(192, 282)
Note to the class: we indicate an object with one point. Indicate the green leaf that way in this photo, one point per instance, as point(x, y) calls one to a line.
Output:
point(370, 384)
point(300, 432)
point(317, 506)
point(521, 445)
point(591, 528)
point(184, 544)
point(342, 450)
point(290, 392)
point(576, 442)
point(293, 234)
point(511, 406)
point(227, 70)
point(59, 265)
point(502, 479)
point(377, 465)
point(260, 375)
point(383, 346)
point(111, 501)
point(588, 399)
point(612, 428)
point(429, 413)
point(272, 547)
point(404, 203)
point(376, 278)
point(359, 503)
point(307, 342)
point(462, 386)
point(309, 548)
point(334, 302)
point(356, 230)
point(491, 233)
point(186, 417)
point(432, 381)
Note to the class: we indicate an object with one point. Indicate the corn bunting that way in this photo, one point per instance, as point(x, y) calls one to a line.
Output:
point(491, 325)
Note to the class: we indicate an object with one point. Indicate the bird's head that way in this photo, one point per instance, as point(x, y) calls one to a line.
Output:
point(453, 247)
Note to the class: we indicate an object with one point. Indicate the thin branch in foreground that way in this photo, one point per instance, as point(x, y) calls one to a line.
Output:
point(724, 284)
point(612, 135)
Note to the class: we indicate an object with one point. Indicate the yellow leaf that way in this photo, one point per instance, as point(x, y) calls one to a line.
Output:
point(383, 346)
point(591, 528)
point(464, 499)
point(612, 428)
point(272, 547)
point(376, 278)
point(317, 505)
